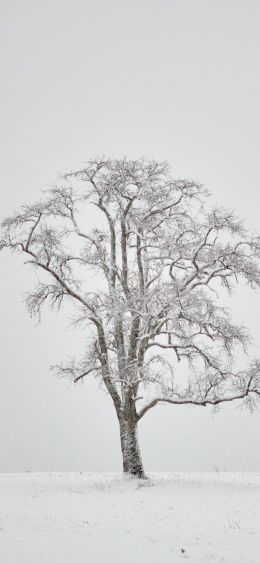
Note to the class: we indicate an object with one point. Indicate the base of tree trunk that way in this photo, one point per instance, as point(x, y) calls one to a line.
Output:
point(135, 475)
point(132, 462)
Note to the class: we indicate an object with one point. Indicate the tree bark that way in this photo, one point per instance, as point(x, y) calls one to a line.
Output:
point(132, 462)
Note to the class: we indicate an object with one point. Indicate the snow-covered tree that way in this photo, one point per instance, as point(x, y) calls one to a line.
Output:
point(160, 258)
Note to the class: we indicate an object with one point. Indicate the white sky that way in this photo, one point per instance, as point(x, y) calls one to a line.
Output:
point(176, 80)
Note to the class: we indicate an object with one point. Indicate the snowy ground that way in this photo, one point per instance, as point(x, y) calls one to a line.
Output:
point(76, 518)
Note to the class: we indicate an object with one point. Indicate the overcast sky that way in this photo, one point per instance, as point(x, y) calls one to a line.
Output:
point(168, 79)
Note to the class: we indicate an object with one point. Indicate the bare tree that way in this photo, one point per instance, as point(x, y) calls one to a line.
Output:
point(160, 260)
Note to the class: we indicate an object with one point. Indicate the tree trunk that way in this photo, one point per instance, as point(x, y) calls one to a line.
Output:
point(132, 462)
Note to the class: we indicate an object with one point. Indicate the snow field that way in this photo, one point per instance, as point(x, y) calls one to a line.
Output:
point(96, 518)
